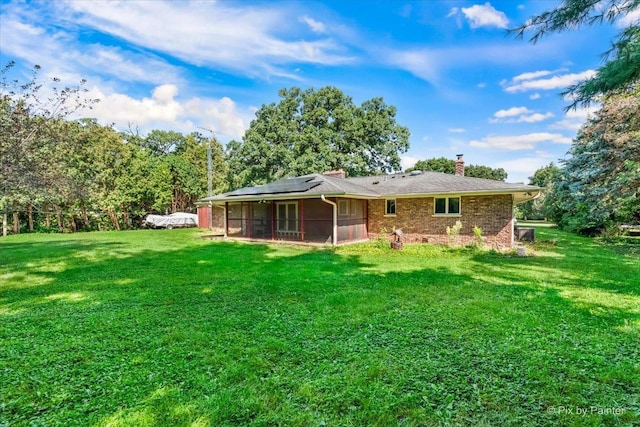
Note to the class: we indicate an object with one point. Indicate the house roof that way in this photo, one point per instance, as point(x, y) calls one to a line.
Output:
point(435, 183)
point(415, 184)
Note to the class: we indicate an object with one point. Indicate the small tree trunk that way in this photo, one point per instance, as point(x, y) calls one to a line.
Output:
point(85, 217)
point(4, 224)
point(125, 217)
point(114, 220)
point(59, 219)
point(16, 223)
point(30, 217)
point(16, 220)
point(47, 215)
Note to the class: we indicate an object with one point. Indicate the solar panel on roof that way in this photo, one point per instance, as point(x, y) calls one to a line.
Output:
point(288, 185)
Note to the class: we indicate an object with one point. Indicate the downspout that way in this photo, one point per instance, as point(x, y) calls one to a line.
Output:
point(335, 219)
point(513, 220)
point(224, 217)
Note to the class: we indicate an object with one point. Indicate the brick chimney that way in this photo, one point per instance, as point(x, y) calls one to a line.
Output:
point(459, 165)
point(340, 173)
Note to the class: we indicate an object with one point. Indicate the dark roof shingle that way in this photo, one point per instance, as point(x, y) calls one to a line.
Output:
point(424, 183)
point(402, 184)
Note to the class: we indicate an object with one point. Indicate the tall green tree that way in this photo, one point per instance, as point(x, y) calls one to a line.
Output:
point(314, 131)
point(439, 164)
point(162, 142)
point(30, 129)
point(621, 70)
point(110, 160)
point(545, 177)
point(486, 172)
point(194, 150)
point(600, 183)
point(185, 157)
point(144, 185)
point(444, 165)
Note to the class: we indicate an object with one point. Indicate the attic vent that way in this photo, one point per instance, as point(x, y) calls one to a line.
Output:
point(415, 173)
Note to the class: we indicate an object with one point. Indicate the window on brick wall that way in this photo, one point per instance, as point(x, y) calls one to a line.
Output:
point(447, 205)
point(390, 207)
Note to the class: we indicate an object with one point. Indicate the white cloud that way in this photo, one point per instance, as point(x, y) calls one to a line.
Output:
point(518, 115)
point(535, 117)
point(456, 130)
point(61, 56)
point(531, 75)
point(430, 64)
point(223, 114)
point(520, 169)
point(227, 35)
point(513, 111)
point(574, 119)
point(455, 13)
point(316, 26)
point(632, 18)
point(407, 161)
point(555, 82)
point(423, 63)
point(163, 108)
point(122, 109)
point(485, 16)
point(519, 142)
point(534, 96)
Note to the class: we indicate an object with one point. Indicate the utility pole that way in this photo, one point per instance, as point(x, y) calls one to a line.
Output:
point(210, 172)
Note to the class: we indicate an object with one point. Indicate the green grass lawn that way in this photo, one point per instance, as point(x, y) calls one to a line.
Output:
point(165, 328)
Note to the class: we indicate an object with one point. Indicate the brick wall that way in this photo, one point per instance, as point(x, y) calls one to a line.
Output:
point(415, 217)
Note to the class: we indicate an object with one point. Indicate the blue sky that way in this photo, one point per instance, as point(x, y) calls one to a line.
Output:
point(459, 83)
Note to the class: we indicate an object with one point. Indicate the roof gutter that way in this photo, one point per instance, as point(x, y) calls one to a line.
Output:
point(285, 196)
point(462, 193)
point(335, 219)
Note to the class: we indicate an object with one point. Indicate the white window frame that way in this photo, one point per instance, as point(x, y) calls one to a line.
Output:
point(446, 206)
point(288, 221)
point(386, 207)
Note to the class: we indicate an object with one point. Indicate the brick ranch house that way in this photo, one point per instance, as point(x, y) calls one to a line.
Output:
point(333, 209)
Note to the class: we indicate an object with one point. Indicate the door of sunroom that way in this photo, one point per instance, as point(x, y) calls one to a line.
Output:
point(287, 220)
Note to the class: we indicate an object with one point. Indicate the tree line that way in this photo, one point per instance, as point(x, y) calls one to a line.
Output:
point(60, 174)
point(444, 165)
